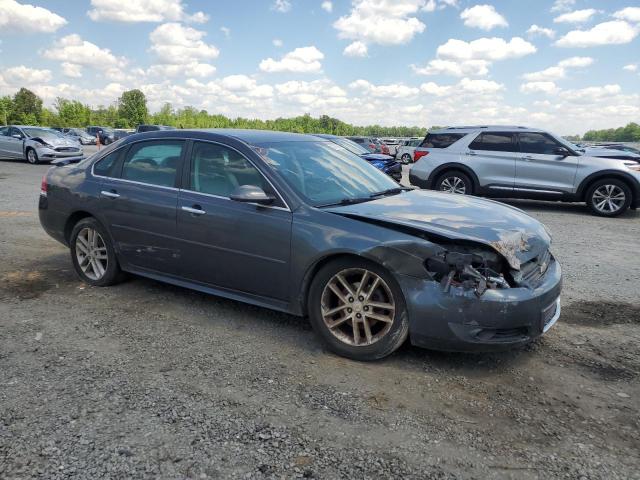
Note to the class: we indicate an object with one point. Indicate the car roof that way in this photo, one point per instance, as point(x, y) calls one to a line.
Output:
point(486, 128)
point(260, 136)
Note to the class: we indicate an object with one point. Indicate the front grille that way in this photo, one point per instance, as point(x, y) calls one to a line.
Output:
point(67, 149)
point(532, 272)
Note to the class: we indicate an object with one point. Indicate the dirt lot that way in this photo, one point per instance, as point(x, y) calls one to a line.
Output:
point(150, 380)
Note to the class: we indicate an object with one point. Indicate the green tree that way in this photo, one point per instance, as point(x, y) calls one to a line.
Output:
point(27, 108)
point(6, 105)
point(132, 108)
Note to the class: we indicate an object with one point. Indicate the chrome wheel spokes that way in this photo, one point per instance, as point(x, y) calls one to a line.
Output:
point(608, 198)
point(358, 307)
point(453, 185)
point(91, 253)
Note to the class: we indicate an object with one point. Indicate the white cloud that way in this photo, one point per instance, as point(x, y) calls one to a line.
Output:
point(385, 22)
point(590, 94)
point(455, 68)
point(466, 86)
point(608, 33)
point(433, 5)
point(577, 16)
point(181, 51)
point(71, 70)
point(24, 18)
point(394, 90)
point(300, 60)
point(226, 31)
point(562, 5)
point(432, 88)
point(327, 6)
point(535, 30)
point(142, 11)
point(316, 94)
point(356, 49)
point(484, 17)
point(490, 49)
point(480, 86)
point(277, 42)
point(539, 87)
point(632, 67)
point(630, 14)
point(558, 71)
point(21, 75)
point(282, 6)
point(74, 50)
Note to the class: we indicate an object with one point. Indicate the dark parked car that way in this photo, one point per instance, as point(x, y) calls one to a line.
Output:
point(119, 133)
point(106, 134)
point(386, 163)
point(153, 128)
point(299, 224)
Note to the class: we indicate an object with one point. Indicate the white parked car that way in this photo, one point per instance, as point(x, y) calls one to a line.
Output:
point(405, 150)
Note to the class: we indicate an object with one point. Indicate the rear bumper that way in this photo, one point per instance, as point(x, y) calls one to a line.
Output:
point(499, 319)
point(417, 181)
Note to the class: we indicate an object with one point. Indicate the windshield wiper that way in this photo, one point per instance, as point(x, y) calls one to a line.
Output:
point(345, 201)
point(390, 191)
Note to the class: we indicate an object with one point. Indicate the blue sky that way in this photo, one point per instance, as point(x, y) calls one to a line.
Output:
point(564, 65)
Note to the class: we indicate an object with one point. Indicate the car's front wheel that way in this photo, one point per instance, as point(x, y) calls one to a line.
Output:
point(609, 197)
point(454, 182)
point(358, 309)
point(92, 254)
point(405, 158)
point(32, 156)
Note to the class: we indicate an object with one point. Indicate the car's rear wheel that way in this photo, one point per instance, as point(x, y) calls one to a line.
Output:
point(405, 158)
point(92, 254)
point(32, 156)
point(454, 182)
point(358, 309)
point(609, 197)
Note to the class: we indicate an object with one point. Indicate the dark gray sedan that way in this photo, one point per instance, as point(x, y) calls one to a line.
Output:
point(299, 224)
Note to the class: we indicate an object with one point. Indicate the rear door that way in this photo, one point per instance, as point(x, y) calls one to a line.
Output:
point(238, 246)
point(138, 199)
point(540, 168)
point(493, 156)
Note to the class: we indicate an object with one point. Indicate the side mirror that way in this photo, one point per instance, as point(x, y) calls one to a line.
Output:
point(251, 194)
point(561, 151)
point(17, 135)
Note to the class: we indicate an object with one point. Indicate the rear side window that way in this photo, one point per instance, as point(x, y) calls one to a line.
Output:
point(537, 143)
point(441, 140)
point(153, 162)
point(106, 165)
point(494, 141)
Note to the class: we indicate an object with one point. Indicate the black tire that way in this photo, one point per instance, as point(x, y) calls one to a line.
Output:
point(388, 342)
point(405, 158)
point(461, 181)
point(596, 194)
point(112, 273)
point(31, 156)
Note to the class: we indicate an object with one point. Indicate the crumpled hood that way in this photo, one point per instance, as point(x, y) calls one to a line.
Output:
point(56, 141)
point(508, 230)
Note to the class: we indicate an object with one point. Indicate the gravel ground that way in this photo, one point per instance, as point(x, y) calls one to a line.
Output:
point(147, 380)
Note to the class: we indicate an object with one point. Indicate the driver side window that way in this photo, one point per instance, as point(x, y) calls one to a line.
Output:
point(538, 143)
point(14, 131)
point(219, 170)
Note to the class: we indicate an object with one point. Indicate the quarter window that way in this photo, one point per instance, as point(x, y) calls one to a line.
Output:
point(495, 142)
point(537, 143)
point(4, 131)
point(219, 170)
point(105, 166)
point(153, 162)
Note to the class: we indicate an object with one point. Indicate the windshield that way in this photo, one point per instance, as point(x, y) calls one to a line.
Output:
point(350, 145)
point(42, 132)
point(567, 143)
point(323, 172)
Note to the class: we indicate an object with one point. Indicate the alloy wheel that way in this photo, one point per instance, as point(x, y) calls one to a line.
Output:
point(608, 199)
point(453, 185)
point(31, 156)
point(91, 253)
point(357, 307)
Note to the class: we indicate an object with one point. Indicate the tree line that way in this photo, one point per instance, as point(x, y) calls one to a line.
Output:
point(630, 133)
point(130, 110)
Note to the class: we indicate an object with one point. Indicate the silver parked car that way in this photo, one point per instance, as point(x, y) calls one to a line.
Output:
point(405, 150)
point(36, 144)
point(520, 162)
point(78, 134)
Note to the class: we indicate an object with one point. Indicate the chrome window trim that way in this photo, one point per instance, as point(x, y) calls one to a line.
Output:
point(288, 209)
point(229, 199)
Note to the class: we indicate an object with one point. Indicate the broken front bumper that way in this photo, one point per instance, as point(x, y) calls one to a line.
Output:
point(458, 320)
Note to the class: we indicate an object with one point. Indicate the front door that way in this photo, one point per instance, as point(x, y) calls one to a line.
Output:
point(13, 147)
point(228, 244)
point(493, 156)
point(139, 201)
point(540, 168)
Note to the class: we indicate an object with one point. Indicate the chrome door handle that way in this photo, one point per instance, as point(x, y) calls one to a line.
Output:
point(472, 153)
point(195, 211)
point(106, 193)
point(527, 158)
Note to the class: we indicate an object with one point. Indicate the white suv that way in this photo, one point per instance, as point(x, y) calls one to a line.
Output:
point(520, 162)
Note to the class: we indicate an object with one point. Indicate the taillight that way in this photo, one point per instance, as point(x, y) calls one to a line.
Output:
point(372, 146)
point(43, 186)
point(418, 154)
